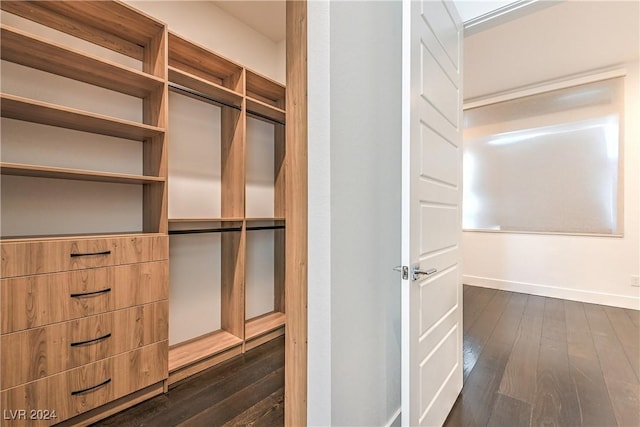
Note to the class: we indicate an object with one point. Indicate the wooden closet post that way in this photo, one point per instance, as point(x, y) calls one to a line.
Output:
point(295, 398)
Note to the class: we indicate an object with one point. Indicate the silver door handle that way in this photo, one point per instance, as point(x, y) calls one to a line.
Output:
point(417, 272)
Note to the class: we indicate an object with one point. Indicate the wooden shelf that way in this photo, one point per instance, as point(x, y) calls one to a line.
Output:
point(265, 89)
point(113, 25)
point(264, 110)
point(263, 324)
point(16, 107)
point(75, 174)
point(57, 59)
point(214, 91)
point(198, 61)
point(197, 349)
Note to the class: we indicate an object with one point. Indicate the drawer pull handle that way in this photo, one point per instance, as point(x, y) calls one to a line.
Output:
point(104, 337)
point(86, 390)
point(90, 294)
point(91, 254)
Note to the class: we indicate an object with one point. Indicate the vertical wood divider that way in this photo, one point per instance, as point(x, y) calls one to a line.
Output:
point(280, 211)
point(295, 391)
point(233, 206)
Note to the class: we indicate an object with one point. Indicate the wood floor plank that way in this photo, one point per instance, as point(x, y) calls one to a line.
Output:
point(556, 400)
point(481, 388)
point(535, 306)
point(598, 320)
point(262, 413)
point(554, 323)
point(478, 335)
point(519, 379)
point(628, 336)
point(614, 362)
point(511, 412)
point(619, 376)
point(477, 299)
point(625, 398)
point(214, 393)
point(634, 315)
point(595, 406)
point(222, 411)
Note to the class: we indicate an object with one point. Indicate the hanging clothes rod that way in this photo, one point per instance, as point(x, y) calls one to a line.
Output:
point(205, 230)
point(194, 93)
point(211, 100)
point(265, 227)
point(267, 118)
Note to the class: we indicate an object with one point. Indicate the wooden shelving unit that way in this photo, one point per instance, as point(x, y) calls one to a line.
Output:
point(59, 270)
point(168, 62)
point(201, 74)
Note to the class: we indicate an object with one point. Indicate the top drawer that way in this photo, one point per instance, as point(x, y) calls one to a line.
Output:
point(49, 256)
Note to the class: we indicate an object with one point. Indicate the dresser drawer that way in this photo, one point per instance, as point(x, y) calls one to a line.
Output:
point(50, 256)
point(81, 389)
point(39, 300)
point(37, 353)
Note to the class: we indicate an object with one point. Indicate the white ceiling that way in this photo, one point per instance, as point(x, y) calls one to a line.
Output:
point(268, 16)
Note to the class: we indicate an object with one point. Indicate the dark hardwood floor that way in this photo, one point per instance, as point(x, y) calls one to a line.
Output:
point(247, 390)
point(528, 361)
point(535, 361)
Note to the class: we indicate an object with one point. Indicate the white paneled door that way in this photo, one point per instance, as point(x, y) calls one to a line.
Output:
point(431, 211)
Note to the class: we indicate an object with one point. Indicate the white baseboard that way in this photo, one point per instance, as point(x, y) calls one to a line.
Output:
point(395, 419)
point(555, 292)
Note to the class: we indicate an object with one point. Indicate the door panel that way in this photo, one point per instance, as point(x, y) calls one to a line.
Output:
point(442, 299)
point(431, 214)
point(439, 20)
point(438, 226)
point(437, 88)
point(437, 152)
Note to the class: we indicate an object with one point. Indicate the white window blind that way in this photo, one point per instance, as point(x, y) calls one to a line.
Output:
point(546, 163)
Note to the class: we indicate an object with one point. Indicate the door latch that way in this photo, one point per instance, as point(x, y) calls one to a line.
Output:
point(404, 270)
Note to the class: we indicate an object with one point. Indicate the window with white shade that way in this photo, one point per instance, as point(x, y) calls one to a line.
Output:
point(548, 162)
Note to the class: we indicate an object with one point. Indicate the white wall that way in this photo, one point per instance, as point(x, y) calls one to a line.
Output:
point(566, 39)
point(205, 23)
point(359, 184)
point(319, 238)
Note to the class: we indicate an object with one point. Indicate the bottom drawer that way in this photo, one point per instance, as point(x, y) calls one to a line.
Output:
point(73, 392)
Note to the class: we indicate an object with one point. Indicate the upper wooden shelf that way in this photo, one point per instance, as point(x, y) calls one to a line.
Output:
point(215, 91)
point(195, 60)
point(35, 52)
point(266, 90)
point(75, 174)
point(110, 24)
point(29, 110)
